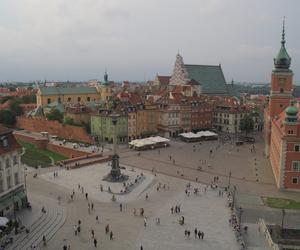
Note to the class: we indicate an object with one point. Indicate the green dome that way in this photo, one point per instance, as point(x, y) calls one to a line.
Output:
point(282, 60)
point(291, 110)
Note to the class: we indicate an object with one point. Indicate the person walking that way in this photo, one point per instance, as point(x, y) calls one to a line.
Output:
point(86, 196)
point(121, 207)
point(93, 233)
point(95, 242)
point(97, 219)
point(147, 196)
point(44, 240)
point(75, 229)
point(145, 222)
point(111, 235)
point(196, 233)
point(92, 206)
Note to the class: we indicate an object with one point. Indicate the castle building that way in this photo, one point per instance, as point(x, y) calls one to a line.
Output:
point(204, 79)
point(282, 127)
point(12, 187)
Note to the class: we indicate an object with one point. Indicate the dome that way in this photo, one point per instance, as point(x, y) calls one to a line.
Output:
point(291, 111)
point(282, 59)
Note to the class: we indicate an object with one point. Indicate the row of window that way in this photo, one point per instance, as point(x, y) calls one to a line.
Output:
point(7, 162)
point(88, 99)
point(9, 182)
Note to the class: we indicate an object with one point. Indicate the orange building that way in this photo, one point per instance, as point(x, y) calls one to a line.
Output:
point(282, 127)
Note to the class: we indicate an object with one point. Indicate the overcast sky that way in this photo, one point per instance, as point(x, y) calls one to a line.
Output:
point(135, 39)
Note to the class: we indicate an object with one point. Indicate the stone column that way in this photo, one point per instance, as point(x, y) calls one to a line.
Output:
point(115, 170)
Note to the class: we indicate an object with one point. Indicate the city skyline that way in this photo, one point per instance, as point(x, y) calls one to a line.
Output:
point(77, 40)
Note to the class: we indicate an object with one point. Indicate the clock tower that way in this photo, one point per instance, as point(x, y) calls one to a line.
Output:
point(282, 81)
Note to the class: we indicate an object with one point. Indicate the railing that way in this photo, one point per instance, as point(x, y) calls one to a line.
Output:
point(262, 228)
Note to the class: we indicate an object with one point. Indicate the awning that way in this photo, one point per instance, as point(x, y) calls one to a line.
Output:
point(3, 221)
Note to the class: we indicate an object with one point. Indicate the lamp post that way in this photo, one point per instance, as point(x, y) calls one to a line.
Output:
point(282, 220)
point(240, 215)
point(233, 197)
point(229, 178)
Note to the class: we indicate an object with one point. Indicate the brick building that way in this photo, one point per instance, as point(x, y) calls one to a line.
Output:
point(282, 127)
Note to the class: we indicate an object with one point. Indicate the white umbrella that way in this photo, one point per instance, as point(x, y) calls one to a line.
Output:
point(3, 221)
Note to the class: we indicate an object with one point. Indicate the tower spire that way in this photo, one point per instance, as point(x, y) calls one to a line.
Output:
point(283, 32)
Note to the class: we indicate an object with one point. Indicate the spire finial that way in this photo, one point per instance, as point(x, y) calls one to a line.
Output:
point(283, 32)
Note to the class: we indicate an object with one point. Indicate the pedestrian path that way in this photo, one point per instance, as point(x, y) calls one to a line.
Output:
point(46, 225)
point(207, 212)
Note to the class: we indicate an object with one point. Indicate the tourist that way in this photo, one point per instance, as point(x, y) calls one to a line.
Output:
point(86, 196)
point(93, 233)
point(97, 219)
point(134, 212)
point(121, 207)
point(199, 234)
point(196, 233)
point(142, 248)
point(95, 242)
point(44, 240)
point(111, 235)
point(145, 222)
point(107, 229)
point(65, 247)
point(202, 235)
point(92, 206)
point(75, 229)
point(147, 196)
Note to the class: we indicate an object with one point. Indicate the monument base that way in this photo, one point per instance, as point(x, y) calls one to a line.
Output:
point(115, 173)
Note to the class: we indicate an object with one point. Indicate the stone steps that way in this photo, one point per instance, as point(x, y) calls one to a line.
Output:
point(46, 225)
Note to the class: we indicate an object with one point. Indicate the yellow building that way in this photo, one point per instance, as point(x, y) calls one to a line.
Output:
point(67, 95)
point(74, 95)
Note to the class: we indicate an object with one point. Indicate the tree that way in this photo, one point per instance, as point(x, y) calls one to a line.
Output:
point(15, 107)
point(12, 89)
point(56, 115)
point(4, 99)
point(68, 120)
point(247, 124)
point(7, 117)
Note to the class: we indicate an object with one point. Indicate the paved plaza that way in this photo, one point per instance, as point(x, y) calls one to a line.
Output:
point(207, 211)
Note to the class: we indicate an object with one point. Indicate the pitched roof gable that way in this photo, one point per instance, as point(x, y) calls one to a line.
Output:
point(67, 90)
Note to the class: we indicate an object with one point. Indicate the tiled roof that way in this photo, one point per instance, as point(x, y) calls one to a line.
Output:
point(67, 90)
point(210, 77)
point(12, 144)
point(164, 80)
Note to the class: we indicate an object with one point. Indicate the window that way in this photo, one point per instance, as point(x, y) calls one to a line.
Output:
point(15, 160)
point(290, 132)
point(88, 99)
point(280, 105)
point(8, 181)
point(59, 100)
point(295, 166)
point(16, 178)
point(78, 99)
point(7, 165)
point(4, 142)
point(281, 90)
point(69, 99)
point(295, 180)
point(297, 148)
point(49, 100)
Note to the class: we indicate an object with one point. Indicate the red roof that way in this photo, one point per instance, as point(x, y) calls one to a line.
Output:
point(164, 80)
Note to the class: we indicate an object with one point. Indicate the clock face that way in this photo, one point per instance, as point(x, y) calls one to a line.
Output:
point(281, 82)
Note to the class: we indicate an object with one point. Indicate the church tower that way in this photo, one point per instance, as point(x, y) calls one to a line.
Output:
point(282, 81)
point(180, 75)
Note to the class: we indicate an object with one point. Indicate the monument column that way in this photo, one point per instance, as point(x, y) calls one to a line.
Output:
point(115, 170)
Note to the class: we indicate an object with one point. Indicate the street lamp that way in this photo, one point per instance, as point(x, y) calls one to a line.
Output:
point(240, 216)
point(233, 197)
point(229, 178)
point(282, 220)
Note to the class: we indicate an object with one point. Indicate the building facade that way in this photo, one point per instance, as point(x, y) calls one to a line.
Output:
point(282, 127)
point(12, 187)
point(101, 127)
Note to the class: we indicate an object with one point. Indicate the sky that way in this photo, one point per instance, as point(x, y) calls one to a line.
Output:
point(136, 39)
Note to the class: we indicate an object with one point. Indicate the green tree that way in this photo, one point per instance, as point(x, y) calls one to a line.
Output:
point(247, 124)
point(12, 89)
point(7, 117)
point(15, 107)
point(55, 114)
point(5, 99)
point(68, 120)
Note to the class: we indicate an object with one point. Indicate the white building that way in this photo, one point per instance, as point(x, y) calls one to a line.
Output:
point(12, 189)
